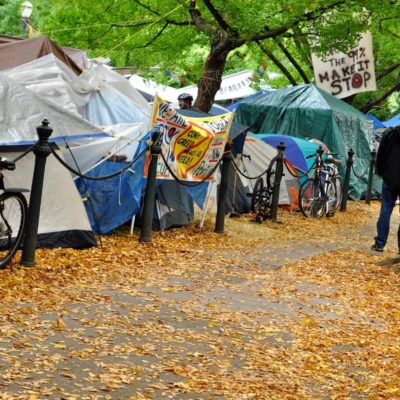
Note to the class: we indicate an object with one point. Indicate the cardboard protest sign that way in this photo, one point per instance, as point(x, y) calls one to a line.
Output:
point(344, 74)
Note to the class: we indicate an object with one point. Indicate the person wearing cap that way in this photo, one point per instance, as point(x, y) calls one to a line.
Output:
point(185, 101)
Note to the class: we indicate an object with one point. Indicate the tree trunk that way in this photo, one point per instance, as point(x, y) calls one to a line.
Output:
point(210, 81)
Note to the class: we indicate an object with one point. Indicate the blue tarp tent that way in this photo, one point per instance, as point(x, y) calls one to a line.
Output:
point(395, 121)
point(112, 202)
point(377, 123)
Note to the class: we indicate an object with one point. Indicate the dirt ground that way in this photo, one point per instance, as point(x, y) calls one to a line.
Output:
point(300, 309)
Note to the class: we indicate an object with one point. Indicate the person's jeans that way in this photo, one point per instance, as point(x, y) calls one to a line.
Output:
point(389, 197)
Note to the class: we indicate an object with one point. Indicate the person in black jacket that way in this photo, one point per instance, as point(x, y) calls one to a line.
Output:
point(388, 167)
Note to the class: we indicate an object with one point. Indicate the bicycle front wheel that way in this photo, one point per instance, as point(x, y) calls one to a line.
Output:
point(312, 198)
point(13, 213)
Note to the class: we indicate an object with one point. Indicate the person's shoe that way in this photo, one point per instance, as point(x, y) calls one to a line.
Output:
point(376, 248)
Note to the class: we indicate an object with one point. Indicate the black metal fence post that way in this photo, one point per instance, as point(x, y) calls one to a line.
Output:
point(370, 177)
point(346, 184)
point(149, 196)
point(41, 151)
point(277, 182)
point(223, 189)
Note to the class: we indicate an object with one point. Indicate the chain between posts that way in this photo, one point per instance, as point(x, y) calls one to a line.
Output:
point(349, 166)
point(96, 178)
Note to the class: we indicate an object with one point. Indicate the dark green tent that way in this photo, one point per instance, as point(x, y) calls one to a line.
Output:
point(309, 112)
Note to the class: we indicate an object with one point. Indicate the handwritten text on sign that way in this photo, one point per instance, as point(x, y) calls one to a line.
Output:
point(192, 147)
point(345, 74)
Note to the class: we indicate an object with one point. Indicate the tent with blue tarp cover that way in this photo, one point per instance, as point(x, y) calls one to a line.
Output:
point(307, 111)
point(112, 202)
point(174, 203)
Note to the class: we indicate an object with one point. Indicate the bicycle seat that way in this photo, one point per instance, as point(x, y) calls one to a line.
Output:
point(330, 159)
point(6, 164)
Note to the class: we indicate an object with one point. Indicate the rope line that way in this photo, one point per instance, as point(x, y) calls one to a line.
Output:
point(24, 153)
point(89, 199)
point(96, 178)
point(145, 28)
point(258, 176)
point(187, 183)
point(302, 173)
point(106, 24)
point(358, 176)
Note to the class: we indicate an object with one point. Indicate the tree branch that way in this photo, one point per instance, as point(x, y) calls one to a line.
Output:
point(151, 41)
point(268, 33)
point(284, 70)
point(303, 48)
point(292, 60)
point(146, 7)
point(95, 39)
point(367, 107)
point(382, 20)
point(218, 17)
point(199, 21)
point(169, 21)
point(388, 71)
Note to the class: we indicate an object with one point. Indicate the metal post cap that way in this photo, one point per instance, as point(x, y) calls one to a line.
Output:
point(155, 135)
point(44, 131)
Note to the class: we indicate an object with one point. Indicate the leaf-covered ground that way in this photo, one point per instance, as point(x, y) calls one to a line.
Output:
point(297, 310)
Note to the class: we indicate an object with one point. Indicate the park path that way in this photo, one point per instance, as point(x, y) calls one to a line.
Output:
point(296, 313)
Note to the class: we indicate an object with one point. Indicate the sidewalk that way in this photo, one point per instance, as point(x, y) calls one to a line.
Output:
point(298, 310)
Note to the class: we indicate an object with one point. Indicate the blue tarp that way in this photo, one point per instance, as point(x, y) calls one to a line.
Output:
point(112, 202)
point(395, 121)
point(377, 123)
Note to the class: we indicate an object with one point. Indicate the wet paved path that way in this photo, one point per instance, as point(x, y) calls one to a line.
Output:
point(222, 328)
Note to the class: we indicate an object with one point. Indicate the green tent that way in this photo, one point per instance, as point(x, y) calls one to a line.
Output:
point(309, 112)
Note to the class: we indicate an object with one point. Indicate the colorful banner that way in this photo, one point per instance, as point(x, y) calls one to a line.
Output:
point(192, 147)
point(342, 74)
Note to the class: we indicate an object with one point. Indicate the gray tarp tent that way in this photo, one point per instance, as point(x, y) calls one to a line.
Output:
point(309, 112)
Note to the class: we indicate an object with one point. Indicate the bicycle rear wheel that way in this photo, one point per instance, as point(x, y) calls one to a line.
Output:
point(13, 213)
point(257, 194)
point(271, 172)
point(312, 198)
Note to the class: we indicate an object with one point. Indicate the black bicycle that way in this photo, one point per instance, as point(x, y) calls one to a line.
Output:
point(13, 214)
point(261, 199)
point(322, 194)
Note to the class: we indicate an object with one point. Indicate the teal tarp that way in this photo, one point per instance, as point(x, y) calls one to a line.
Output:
point(311, 113)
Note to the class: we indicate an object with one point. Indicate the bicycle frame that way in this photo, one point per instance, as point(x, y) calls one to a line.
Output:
point(324, 188)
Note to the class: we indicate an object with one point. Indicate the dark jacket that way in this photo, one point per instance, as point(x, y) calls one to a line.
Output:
point(388, 158)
